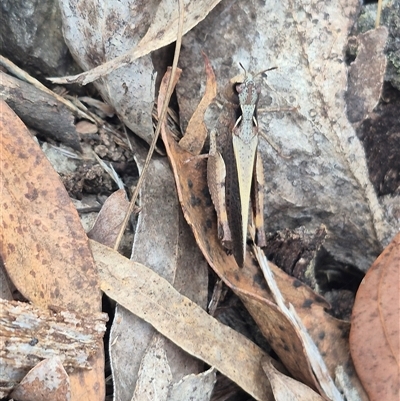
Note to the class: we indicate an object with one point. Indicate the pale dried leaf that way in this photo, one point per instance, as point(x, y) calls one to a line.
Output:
point(97, 31)
point(160, 222)
point(194, 387)
point(48, 380)
point(152, 298)
point(154, 377)
point(285, 388)
point(375, 330)
point(162, 32)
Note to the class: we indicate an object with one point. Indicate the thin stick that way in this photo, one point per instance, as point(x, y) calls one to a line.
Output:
point(378, 14)
point(158, 129)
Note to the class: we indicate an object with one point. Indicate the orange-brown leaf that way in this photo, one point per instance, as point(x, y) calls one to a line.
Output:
point(43, 245)
point(375, 327)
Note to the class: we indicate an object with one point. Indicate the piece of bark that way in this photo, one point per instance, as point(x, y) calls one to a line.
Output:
point(29, 335)
point(40, 111)
point(294, 251)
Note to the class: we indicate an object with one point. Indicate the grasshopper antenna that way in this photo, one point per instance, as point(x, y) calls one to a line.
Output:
point(264, 71)
point(244, 69)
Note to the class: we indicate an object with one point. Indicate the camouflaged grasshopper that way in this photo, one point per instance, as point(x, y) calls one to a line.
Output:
point(234, 169)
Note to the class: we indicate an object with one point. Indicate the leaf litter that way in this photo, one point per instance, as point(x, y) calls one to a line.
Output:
point(257, 291)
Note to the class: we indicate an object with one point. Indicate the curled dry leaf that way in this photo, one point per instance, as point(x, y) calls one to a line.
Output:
point(375, 330)
point(152, 298)
point(43, 245)
point(248, 283)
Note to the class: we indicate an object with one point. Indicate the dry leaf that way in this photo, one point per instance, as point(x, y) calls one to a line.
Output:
point(196, 131)
point(285, 388)
point(194, 387)
point(323, 176)
point(97, 31)
point(161, 32)
point(152, 298)
point(160, 222)
point(43, 245)
point(375, 333)
point(154, 377)
point(48, 380)
point(120, 50)
point(108, 222)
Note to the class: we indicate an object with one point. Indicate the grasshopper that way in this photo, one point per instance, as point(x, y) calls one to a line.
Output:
point(235, 172)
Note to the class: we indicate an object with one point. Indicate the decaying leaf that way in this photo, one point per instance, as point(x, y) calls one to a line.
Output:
point(161, 32)
point(154, 377)
point(375, 331)
point(323, 177)
point(48, 380)
point(153, 299)
point(97, 31)
point(163, 242)
point(43, 245)
point(196, 131)
point(194, 387)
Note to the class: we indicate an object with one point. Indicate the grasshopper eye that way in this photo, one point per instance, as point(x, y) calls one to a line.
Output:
point(239, 88)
